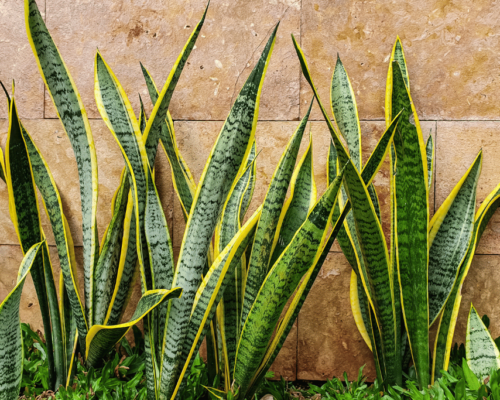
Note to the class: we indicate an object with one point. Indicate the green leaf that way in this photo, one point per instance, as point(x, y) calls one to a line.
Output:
point(375, 255)
point(106, 271)
point(447, 322)
point(279, 285)
point(430, 152)
point(211, 291)
point(157, 117)
point(481, 351)
point(103, 337)
point(297, 207)
point(73, 116)
point(345, 112)
point(412, 222)
point(223, 166)
point(471, 379)
point(11, 348)
point(450, 236)
point(259, 263)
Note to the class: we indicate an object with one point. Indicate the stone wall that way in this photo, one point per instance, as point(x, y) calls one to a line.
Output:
point(452, 50)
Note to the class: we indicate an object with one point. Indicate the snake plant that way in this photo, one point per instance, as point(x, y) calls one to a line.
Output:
point(398, 290)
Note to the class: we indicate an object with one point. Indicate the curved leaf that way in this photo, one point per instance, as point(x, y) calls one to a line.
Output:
point(482, 353)
point(223, 166)
point(11, 347)
point(103, 337)
point(73, 116)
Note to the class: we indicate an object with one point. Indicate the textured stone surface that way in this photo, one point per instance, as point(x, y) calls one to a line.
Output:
point(155, 32)
point(449, 47)
point(54, 145)
point(457, 146)
point(328, 340)
point(17, 61)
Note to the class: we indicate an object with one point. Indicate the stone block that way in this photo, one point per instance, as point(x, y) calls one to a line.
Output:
point(449, 48)
point(155, 32)
point(458, 143)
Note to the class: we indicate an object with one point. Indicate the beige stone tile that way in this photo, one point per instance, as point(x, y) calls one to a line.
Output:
point(449, 47)
point(457, 146)
point(481, 289)
point(56, 149)
point(328, 341)
point(155, 32)
point(17, 62)
point(285, 364)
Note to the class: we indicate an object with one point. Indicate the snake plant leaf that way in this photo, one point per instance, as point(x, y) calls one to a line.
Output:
point(184, 185)
point(117, 113)
point(376, 263)
point(259, 263)
point(447, 322)
point(450, 236)
point(211, 291)
point(359, 312)
point(301, 200)
point(128, 268)
point(342, 153)
point(411, 187)
point(153, 127)
point(279, 285)
point(74, 119)
point(398, 55)
point(25, 215)
point(430, 151)
point(232, 300)
point(103, 337)
point(69, 329)
point(224, 164)
point(11, 348)
point(106, 271)
point(2, 166)
point(57, 358)
point(286, 323)
point(482, 353)
point(64, 243)
point(374, 163)
point(161, 257)
point(247, 197)
point(345, 112)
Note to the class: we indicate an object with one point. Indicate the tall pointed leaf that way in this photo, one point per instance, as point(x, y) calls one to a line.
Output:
point(224, 164)
point(73, 116)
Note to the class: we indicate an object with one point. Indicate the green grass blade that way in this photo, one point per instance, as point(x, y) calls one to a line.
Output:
point(73, 116)
point(447, 322)
point(103, 337)
point(301, 200)
point(259, 263)
point(482, 353)
point(159, 113)
point(106, 271)
point(412, 222)
point(278, 287)
point(11, 348)
point(345, 112)
point(225, 162)
point(450, 236)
